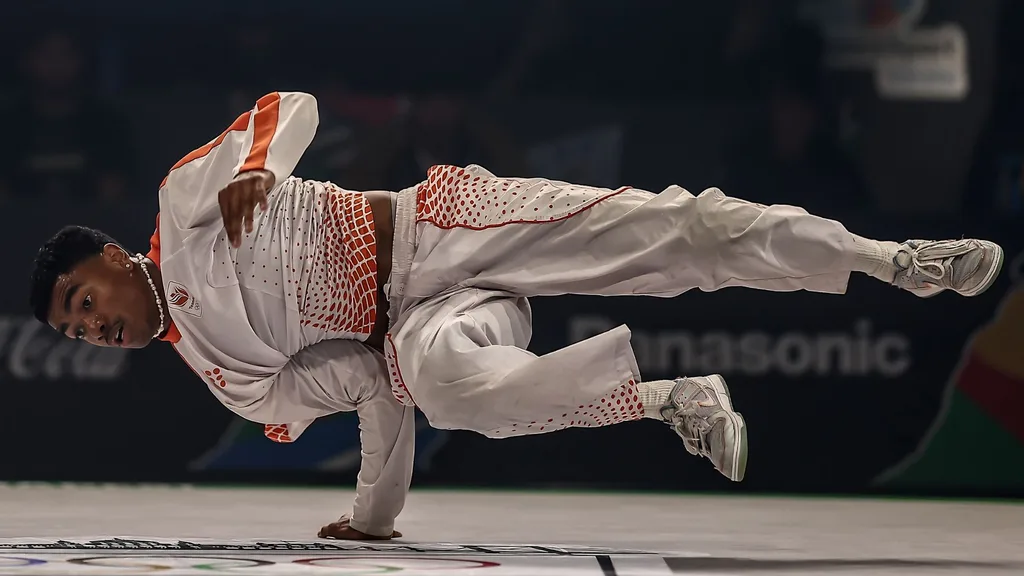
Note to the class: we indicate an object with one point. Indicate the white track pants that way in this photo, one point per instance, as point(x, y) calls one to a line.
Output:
point(470, 247)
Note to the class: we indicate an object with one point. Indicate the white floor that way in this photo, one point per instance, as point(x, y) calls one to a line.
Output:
point(586, 534)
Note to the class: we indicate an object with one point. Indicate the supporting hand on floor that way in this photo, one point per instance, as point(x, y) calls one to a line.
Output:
point(341, 530)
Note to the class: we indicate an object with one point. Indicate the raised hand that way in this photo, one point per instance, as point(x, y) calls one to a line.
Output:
point(238, 201)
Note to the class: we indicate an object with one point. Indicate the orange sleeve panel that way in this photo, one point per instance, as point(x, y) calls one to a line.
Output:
point(287, 118)
point(268, 112)
point(239, 125)
point(271, 136)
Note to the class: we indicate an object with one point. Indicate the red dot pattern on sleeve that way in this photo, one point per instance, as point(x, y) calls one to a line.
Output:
point(453, 197)
point(621, 405)
point(215, 377)
point(277, 433)
point(337, 291)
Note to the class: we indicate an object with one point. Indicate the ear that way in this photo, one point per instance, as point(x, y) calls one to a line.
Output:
point(116, 255)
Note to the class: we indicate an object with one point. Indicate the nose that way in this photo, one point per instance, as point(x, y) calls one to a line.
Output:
point(96, 327)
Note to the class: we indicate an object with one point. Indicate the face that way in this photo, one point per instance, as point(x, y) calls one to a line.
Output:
point(105, 301)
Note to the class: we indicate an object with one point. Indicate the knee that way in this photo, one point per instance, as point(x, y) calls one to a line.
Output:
point(449, 419)
point(448, 401)
point(446, 409)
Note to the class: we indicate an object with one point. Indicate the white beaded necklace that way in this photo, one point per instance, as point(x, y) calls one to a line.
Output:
point(156, 293)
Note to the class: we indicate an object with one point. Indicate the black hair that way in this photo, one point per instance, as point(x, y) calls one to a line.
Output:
point(65, 250)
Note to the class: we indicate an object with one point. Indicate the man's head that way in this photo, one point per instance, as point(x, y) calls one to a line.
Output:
point(87, 287)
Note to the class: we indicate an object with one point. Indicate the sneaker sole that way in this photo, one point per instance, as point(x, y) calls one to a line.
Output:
point(739, 449)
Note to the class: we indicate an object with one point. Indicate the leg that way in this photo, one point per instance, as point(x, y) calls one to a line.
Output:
point(536, 237)
point(462, 359)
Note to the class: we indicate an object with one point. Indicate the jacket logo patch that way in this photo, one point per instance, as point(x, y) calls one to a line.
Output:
point(179, 297)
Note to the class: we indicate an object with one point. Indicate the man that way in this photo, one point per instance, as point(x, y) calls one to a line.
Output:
point(275, 291)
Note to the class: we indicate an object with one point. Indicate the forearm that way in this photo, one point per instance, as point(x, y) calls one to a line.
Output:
point(338, 376)
point(387, 433)
point(269, 139)
point(280, 128)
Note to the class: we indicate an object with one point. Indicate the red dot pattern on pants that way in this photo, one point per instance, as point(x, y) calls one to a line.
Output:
point(337, 286)
point(277, 433)
point(621, 405)
point(453, 197)
point(398, 388)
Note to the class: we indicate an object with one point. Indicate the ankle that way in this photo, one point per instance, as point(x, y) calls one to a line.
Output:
point(654, 396)
point(875, 258)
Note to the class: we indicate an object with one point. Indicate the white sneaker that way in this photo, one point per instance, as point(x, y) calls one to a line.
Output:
point(967, 267)
point(700, 411)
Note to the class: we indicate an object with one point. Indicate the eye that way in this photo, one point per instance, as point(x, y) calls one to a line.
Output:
point(79, 333)
point(87, 303)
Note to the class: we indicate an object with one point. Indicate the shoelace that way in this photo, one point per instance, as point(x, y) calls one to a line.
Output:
point(936, 270)
point(691, 427)
point(934, 260)
point(695, 428)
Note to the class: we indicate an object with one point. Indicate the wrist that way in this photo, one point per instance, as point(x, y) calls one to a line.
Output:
point(266, 175)
point(380, 530)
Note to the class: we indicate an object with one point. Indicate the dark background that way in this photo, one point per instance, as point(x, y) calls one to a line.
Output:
point(859, 115)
